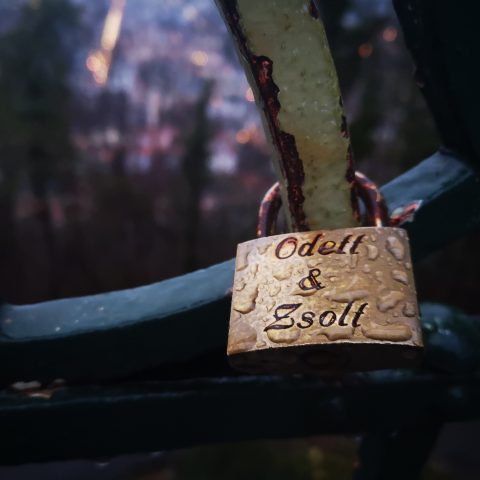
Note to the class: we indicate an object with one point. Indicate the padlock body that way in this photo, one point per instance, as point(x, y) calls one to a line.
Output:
point(325, 302)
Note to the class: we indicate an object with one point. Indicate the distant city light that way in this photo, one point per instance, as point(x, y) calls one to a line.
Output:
point(199, 58)
point(112, 136)
point(249, 95)
point(99, 61)
point(163, 47)
point(223, 160)
point(243, 136)
point(365, 50)
point(189, 13)
point(113, 22)
point(390, 34)
point(95, 61)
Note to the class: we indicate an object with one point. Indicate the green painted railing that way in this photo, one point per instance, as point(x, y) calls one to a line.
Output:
point(102, 420)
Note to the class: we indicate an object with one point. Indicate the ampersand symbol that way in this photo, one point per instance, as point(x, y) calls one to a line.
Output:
point(310, 282)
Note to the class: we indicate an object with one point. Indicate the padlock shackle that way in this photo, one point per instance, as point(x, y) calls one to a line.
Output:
point(364, 188)
point(268, 212)
point(372, 198)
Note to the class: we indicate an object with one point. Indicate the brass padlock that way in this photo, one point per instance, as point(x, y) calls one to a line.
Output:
point(328, 297)
point(325, 301)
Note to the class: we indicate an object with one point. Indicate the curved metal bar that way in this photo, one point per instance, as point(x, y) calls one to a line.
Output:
point(106, 420)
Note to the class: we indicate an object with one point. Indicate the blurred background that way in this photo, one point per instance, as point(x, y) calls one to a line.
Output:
point(131, 151)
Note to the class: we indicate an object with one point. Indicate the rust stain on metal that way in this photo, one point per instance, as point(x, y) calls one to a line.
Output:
point(404, 214)
point(291, 165)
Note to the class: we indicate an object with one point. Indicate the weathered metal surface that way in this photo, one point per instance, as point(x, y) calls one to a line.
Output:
point(185, 319)
point(284, 50)
point(325, 301)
